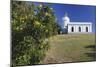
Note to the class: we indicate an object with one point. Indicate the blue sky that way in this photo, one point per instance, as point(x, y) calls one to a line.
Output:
point(77, 13)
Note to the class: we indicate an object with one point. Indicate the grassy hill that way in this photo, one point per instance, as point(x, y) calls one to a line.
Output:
point(71, 48)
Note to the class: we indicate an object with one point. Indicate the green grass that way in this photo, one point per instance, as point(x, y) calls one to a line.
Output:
point(71, 48)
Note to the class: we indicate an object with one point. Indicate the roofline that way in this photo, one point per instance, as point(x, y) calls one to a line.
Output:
point(80, 23)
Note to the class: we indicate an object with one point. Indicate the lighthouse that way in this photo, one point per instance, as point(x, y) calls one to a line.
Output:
point(66, 20)
point(75, 27)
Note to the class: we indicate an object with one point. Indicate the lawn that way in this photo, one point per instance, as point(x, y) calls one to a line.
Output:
point(71, 48)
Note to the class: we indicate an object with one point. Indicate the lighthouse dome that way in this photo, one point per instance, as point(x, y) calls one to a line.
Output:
point(66, 18)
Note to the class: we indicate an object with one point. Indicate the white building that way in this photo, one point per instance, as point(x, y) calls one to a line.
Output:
point(76, 27)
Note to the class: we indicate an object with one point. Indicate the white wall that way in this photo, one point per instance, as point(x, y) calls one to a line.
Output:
point(83, 28)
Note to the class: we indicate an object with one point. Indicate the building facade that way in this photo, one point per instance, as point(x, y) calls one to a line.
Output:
point(76, 27)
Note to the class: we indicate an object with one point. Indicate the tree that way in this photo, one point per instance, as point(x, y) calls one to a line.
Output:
point(31, 28)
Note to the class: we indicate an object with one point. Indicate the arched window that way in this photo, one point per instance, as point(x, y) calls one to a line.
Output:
point(72, 29)
point(79, 29)
point(86, 29)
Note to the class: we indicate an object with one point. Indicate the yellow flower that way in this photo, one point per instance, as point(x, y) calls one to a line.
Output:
point(46, 30)
point(37, 24)
point(26, 17)
point(47, 14)
point(21, 28)
point(22, 21)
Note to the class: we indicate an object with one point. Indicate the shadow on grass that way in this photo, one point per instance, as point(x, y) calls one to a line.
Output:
point(92, 47)
point(92, 53)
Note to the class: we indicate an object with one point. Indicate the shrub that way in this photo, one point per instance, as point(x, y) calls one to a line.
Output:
point(31, 28)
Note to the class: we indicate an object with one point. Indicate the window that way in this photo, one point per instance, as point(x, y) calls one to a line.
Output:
point(86, 29)
point(79, 29)
point(72, 29)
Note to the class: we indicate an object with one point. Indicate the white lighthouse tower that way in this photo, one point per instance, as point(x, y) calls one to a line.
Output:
point(66, 20)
